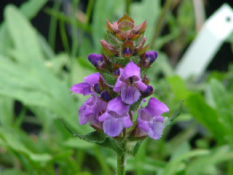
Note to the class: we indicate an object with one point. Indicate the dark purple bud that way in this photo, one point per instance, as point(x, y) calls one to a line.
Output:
point(97, 88)
point(150, 57)
point(96, 59)
point(116, 72)
point(127, 52)
point(149, 90)
point(127, 49)
point(105, 96)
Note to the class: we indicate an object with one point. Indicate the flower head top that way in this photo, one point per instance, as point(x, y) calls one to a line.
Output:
point(119, 87)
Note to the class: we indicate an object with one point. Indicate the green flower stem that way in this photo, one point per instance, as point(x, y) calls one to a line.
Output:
point(121, 160)
point(127, 10)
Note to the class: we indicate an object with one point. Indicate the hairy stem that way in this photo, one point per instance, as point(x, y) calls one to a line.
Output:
point(121, 161)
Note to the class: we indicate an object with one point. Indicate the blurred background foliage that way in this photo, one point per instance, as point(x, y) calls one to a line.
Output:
point(43, 51)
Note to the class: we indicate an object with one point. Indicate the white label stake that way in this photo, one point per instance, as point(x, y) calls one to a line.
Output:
point(202, 50)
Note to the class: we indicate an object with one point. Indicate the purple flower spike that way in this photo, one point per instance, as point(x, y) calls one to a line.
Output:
point(91, 110)
point(129, 83)
point(150, 57)
point(116, 117)
point(96, 59)
point(85, 88)
point(150, 119)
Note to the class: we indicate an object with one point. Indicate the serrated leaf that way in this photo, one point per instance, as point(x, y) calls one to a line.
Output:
point(109, 78)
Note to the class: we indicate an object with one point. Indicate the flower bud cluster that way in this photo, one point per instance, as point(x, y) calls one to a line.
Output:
point(118, 90)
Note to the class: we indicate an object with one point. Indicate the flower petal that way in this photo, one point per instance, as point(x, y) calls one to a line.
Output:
point(140, 85)
point(155, 107)
point(143, 124)
point(126, 121)
point(156, 129)
point(104, 117)
point(130, 94)
point(81, 88)
point(117, 106)
point(132, 70)
point(92, 79)
point(83, 119)
point(112, 127)
point(120, 82)
point(143, 115)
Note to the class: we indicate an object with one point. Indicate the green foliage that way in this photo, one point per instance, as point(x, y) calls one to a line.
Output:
point(34, 91)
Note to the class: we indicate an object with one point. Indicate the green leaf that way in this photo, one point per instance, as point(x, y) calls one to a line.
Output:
point(136, 147)
point(76, 143)
point(29, 9)
point(41, 88)
point(152, 8)
point(13, 141)
point(109, 78)
point(169, 121)
point(99, 138)
point(216, 156)
point(24, 38)
point(119, 60)
point(227, 121)
point(206, 115)
point(182, 149)
point(103, 10)
point(174, 165)
point(220, 95)
point(136, 105)
point(178, 87)
point(6, 111)
point(13, 171)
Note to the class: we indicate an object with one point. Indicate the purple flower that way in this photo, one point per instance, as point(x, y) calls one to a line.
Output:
point(150, 119)
point(116, 117)
point(97, 60)
point(129, 83)
point(87, 86)
point(150, 57)
point(91, 110)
